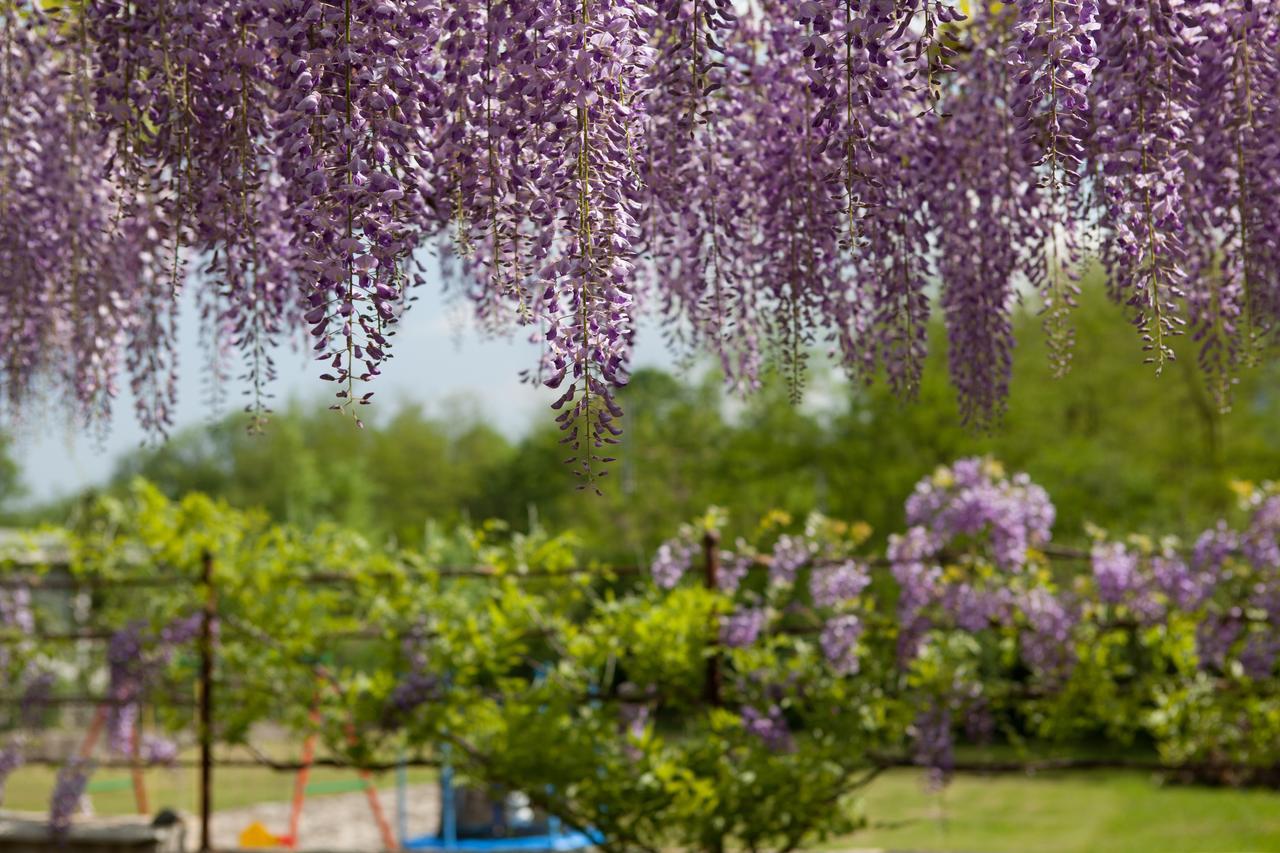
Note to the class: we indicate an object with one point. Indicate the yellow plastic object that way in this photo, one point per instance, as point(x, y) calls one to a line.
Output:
point(255, 835)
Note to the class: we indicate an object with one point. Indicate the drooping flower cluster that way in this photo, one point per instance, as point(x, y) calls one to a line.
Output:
point(68, 795)
point(1046, 644)
point(742, 627)
point(417, 685)
point(673, 559)
point(839, 641)
point(769, 725)
point(11, 758)
point(831, 586)
point(790, 553)
point(973, 531)
point(767, 178)
point(973, 498)
point(134, 661)
point(935, 744)
point(1229, 580)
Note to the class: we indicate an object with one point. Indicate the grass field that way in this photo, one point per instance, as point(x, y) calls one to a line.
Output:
point(1095, 812)
point(28, 789)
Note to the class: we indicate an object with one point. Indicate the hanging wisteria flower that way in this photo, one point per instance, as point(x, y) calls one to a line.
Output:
point(839, 642)
point(1115, 571)
point(733, 568)
point(964, 559)
point(1185, 588)
point(743, 627)
point(1047, 646)
point(768, 178)
point(68, 795)
point(1260, 542)
point(1258, 655)
point(831, 586)
point(935, 745)
point(12, 756)
point(135, 659)
point(1215, 637)
point(15, 610)
point(1212, 549)
point(973, 498)
point(673, 560)
point(790, 554)
point(770, 726)
point(157, 750)
point(16, 617)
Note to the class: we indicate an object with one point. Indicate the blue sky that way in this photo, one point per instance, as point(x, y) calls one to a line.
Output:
point(439, 355)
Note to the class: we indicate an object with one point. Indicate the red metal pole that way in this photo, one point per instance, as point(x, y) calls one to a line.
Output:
point(300, 781)
point(139, 780)
point(95, 732)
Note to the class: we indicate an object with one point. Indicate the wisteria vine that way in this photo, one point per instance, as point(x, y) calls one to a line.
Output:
point(973, 568)
point(767, 177)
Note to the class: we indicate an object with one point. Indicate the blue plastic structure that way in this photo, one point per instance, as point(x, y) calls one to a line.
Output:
point(500, 835)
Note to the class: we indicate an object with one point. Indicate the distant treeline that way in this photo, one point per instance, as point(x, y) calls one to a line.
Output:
point(1113, 444)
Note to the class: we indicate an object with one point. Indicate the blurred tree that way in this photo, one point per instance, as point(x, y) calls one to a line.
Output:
point(10, 474)
point(311, 466)
point(1113, 443)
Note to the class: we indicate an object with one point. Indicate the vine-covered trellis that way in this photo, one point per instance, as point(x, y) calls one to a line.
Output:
point(652, 703)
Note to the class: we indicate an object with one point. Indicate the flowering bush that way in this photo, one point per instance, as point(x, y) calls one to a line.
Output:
point(729, 699)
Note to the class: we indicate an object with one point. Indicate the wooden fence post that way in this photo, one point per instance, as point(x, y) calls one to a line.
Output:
point(206, 700)
point(711, 567)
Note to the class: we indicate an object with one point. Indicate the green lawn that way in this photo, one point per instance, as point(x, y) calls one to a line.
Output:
point(1081, 812)
point(28, 788)
point(1085, 812)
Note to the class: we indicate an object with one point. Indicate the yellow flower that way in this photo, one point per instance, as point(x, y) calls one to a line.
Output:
point(774, 518)
point(859, 532)
point(1243, 490)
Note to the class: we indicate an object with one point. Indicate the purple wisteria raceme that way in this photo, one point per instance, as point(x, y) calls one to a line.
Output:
point(977, 301)
point(839, 642)
point(1215, 636)
point(1260, 541)
point(12, 756)
point(1143, 99)
point(1115, 572)
point(68, 795)
point(16, 617)
point(135, 659)
point(969, 515)
point(934, 745)
point(767, 178)
point(1046, 645)
point(831, 586)
point(790, 554)
point(1232, 281)
point(973, 498)
point(743, 627)
point(16, 614)
point(1185, 588)
point(1258, 655)
point(673, 559)
point(1053, 58)
point(733, 568)
point(769, 725)
point(1212, 549)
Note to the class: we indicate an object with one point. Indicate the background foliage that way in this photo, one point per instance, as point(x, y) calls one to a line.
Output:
point(1111, 444)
